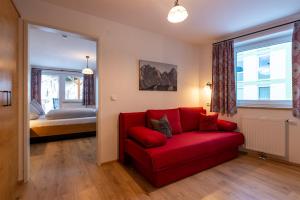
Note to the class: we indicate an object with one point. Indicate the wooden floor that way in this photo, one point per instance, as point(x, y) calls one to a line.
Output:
point(67, 170)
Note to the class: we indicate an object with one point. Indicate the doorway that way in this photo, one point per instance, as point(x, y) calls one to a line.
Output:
point(61, 94)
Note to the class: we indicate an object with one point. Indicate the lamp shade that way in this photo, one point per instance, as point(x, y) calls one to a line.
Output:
point(177, 14)
point(87, 71)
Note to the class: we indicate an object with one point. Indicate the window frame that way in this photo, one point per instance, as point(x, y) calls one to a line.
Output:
point(260, 43)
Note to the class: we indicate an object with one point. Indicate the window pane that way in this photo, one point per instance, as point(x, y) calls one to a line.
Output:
point(49, 91)
point(240, 70)
point(265, 73)
point(73, 88)
point(239, 76)
point(264, 93)
point(264, 67)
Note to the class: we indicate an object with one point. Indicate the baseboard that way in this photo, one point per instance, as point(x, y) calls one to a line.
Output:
point(271, 157)
point(109, 162)
point(53, 138)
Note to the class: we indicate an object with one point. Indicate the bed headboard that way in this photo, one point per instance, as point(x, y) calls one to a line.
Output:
point(126, 121)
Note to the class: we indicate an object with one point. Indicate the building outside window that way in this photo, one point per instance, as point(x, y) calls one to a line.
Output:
point(240, 70)
point(264, 93)
point(73, 87)
point(264, 73)
point(49, 91)
point(240, 93)
point(264, 67)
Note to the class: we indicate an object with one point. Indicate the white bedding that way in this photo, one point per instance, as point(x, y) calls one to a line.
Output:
point(42, 121)
point(70, 113)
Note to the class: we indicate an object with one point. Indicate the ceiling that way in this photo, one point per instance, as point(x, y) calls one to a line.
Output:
point(208, 19)
point(53, 48)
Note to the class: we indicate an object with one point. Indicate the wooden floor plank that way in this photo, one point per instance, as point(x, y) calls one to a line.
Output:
point(67, 170)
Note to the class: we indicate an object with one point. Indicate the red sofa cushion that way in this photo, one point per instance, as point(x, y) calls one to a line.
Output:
point(190, 118)
point(208, 122)
point(224, 125)
point(147, 137)
point(172, 115)
point(185, 147)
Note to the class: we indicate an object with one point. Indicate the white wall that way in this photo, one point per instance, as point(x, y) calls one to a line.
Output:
point(205, 70)
point(294, 127)
point(121, 47)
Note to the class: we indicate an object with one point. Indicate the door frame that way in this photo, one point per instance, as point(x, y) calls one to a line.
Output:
point(23, 75)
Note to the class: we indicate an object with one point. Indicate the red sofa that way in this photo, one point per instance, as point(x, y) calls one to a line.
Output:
point(186, 153)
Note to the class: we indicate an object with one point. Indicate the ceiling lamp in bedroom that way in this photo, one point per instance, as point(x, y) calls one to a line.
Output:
point(177, 13)
point(87, 70)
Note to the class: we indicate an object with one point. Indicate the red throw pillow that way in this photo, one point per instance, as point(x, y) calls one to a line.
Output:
point(208, 122)
point(173, 117)
point(190, 118)
point(146, 137)
point(224, 125)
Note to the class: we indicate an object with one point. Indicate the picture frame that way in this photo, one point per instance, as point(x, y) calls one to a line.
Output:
point(156, 76)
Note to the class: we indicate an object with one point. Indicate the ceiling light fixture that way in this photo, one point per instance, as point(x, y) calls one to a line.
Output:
point(87, 70)
point(177, 13)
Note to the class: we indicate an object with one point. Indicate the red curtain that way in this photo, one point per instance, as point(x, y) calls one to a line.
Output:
point(223, 79)
point(88, 89)
point(36, 79)
point(296, 69)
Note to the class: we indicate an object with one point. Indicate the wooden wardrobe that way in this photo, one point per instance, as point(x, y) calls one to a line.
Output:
point(8, 100)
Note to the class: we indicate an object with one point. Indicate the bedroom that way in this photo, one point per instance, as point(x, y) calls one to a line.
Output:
point(62, 84)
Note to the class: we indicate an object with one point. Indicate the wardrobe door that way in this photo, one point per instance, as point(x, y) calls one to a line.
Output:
point(8, 100)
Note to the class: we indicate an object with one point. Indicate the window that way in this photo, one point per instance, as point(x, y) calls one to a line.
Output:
point(73, 87)
point(264, 73)
point(58, 88)
point(49, 91)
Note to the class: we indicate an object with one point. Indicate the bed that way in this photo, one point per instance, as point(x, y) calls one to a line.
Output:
point(64, 122)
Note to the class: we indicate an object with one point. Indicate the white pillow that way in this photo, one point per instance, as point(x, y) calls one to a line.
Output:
point(36, 107)
point(33, 109)
point(33, 116)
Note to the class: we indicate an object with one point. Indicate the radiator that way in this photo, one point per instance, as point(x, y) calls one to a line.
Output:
point(265, 135)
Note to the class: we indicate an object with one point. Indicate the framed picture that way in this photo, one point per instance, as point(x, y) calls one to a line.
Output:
point(155, 76)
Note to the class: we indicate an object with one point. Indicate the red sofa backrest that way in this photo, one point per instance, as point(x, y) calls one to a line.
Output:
point(173, 116)
point(189, 118)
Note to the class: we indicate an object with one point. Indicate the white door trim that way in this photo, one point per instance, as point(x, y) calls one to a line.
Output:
point(24, 132)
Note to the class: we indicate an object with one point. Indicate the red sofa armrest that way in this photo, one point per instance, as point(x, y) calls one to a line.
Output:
point(224, 125)
point(126, 121)
point(147, 137)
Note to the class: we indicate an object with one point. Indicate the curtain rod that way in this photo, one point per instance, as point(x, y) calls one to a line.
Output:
point(257, 31)
point(59, 70)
